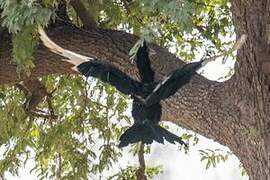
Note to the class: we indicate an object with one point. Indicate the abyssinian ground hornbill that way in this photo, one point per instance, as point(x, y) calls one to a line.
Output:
point(146, 94)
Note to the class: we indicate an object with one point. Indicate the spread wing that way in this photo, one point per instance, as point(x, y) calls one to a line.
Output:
point(172, 82)
point(109, 74)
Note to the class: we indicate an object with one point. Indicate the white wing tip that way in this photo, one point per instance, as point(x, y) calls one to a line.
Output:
point(72, 57)
point(48, 42)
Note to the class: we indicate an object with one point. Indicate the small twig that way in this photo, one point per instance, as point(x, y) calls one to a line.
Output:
point(45, 116)
point(49, 102)
point(140, 173)
point(2, 177)
point(59, 171)
point(22, 88)
point(237, 45)
point(126, 6)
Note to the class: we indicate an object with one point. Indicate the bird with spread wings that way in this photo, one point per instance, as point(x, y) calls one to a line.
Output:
point(146, 93)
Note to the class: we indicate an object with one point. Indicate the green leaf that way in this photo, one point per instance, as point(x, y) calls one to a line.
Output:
point(23, 47)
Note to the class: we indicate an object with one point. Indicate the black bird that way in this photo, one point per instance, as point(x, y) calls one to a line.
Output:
point(146, 118)
point(146, 94)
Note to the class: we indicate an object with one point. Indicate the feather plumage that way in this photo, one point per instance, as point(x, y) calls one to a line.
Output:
point(109, 74)
point(169, 85)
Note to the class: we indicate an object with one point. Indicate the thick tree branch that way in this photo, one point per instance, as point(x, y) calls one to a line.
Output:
point(201, 106)
point(252, 18)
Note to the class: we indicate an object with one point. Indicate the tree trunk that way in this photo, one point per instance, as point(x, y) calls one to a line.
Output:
point(234, 113)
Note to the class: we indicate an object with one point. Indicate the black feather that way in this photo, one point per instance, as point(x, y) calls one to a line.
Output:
point(172, 82)
point(144, 65)
point(146, 133)
point(111, 75)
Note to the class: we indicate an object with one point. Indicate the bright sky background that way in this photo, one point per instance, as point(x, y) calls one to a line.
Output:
point(176, 164)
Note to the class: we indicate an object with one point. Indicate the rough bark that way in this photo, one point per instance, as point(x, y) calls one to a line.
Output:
point(234, 113)
point(252, 17)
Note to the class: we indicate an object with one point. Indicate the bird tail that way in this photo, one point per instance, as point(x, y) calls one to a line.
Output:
point(69, 56)
point(147, 133)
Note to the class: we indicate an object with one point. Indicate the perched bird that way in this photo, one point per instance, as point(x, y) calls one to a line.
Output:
point(146, 117)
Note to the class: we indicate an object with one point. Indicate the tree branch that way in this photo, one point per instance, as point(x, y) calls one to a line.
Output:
point(62, 14)
point(59, 168)
point(2, 177)
point(86, 18)
point(35, 92)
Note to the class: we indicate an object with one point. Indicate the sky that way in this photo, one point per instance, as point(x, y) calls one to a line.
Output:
point(178, 165)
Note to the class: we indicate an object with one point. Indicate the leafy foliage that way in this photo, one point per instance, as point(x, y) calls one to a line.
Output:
point(243, 171)
point(19, 17)
point(130, 173)
point(67, 137)
point(213, 157)
point(184, 25)
point(24, 44)
point(20, 14)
